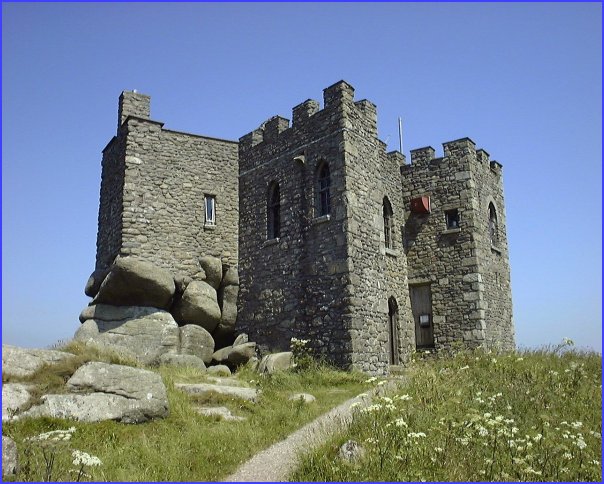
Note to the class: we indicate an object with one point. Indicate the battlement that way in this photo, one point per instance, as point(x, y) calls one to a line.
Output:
point(133, 103)
point(337, 94)
point(454, 149)
point(335, 97)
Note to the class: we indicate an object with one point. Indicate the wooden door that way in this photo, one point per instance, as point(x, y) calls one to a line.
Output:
point(421, 306)
point(393, 331)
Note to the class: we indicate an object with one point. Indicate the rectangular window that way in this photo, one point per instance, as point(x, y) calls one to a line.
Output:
point(210, 209)
point(452, 219)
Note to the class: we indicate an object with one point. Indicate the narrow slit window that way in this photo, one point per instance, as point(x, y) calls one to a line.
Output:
point(493, 227)
point(210, 209)
point(388, 224)
point(273, 218)
point(452, 219)
point(323, 189)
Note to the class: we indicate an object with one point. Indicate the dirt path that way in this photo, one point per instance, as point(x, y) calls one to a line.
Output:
point(277, 462)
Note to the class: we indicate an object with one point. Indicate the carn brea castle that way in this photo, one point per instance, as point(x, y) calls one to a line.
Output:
point(336, 241)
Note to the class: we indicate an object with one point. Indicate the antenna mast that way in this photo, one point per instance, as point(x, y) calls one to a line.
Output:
point(400, 134)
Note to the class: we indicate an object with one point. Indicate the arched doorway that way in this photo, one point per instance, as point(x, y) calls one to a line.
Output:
point(393, 355)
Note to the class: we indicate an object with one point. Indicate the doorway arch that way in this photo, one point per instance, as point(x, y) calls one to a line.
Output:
point(393, 353)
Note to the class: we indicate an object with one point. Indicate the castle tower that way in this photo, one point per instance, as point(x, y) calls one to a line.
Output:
point(320, 245)
point(456, 245)
point(166, 196)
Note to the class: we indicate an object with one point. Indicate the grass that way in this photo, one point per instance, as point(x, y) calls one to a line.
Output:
point(474, 416)
point(185, 446)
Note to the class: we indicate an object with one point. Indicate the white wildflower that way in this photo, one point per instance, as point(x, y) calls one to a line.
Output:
point(577, 425)
point(568, 341)
point(403, 398)
point(416, 435)
point(438, 449)
point(355, 405)
point(520, 359)
point(371, 380)
point(494, 360)
point(482, 431)
point(399, 422)
point(595, 462)
point(464, 367)
point(84, 459)
point(567, 455)
point(537, 437)
point(580, 443)
point(380, 383)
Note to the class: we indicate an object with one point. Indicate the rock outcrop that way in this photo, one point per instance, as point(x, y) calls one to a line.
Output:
point(9, 457)
point(276, 362)
point(102, 391)
point(198, 305)
point(146, 336)
point(134, 282)
point(24, 362)
point(15, 397)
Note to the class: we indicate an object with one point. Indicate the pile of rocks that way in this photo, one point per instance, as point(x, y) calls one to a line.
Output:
point(146, 312)
point(96, 391)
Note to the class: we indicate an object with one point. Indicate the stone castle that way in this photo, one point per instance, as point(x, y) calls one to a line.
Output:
point(336, 240)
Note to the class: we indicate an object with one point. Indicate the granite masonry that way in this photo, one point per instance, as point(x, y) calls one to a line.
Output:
point(333, 239)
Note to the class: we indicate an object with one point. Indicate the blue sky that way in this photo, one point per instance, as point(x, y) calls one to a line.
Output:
point(522, 80)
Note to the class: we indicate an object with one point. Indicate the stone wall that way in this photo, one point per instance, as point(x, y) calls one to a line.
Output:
point(166, 176)
point(493, 256)
point(377, 273)
point(329, 278)
point(109, 235)
point(293, 285)
point(457, 262)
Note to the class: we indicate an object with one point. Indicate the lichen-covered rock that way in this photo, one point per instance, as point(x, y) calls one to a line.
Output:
point(227, 298)
point(198, 305)
point(10, 464)
point(94, 282)
point(182, 360)
point(219, 370)
point(195, 340)
point(221, 412)
point(135, 282)
point(181, 282)
point(276, 362)
point(250, 394)
point(212, 266)
point(230, 276)
point(14, 397)
point(240, 339)
point(145, 338)
point(24, 362)
point(102, 391)
point(303, 397)
point(222, 355)
point(107, 312)
point(241, 354)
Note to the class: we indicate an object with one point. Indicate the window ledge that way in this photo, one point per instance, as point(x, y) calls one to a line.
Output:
point(209, 226)
point(391, 252)
point(494, 248)
point(268, 242)
point(321, 219)
point(451, 231)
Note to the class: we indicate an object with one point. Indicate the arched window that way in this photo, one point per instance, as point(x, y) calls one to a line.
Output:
point(273, 212)
point(493, 227)
point(388, 224)
point(323, 188)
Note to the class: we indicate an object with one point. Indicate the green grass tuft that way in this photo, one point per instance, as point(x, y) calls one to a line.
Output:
point(473, 416)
